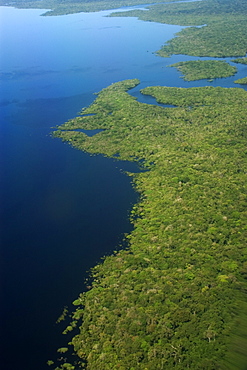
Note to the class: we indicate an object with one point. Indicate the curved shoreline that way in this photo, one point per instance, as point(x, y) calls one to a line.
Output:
point(182, 278)
point(182, 228)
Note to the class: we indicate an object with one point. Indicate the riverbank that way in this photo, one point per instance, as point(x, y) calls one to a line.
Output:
point(186, 253)
point(179, 287)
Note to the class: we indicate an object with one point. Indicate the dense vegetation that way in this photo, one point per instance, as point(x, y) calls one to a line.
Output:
point(223, 32)
point(241, 81)
point(204, 69)
point(240, 60)
point(60, 7)
point(175, 298)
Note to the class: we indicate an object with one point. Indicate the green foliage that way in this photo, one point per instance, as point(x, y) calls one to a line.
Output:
point(66, 366)
point(240, 60)
point(62, 317)
point(171, 300)
point(236, 357)
point(61, 7)
point(222, 31)
point(241, 81)
point(196, 96)
point(62, 350)
point(204, 69)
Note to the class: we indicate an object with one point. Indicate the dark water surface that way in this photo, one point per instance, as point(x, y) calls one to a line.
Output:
point(62, 210)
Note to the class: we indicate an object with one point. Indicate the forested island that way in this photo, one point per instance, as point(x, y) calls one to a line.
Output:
point(241, 81)
point(204, 69)
point(175, 298)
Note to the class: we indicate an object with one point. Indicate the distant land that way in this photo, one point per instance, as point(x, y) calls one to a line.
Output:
point(59, 7)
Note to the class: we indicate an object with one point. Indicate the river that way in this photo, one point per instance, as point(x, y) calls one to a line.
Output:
point(61, 209)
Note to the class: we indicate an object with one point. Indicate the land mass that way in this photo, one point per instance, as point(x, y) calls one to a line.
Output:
point(60, 7)
point(175, 298)
point(240, 60)
point(241, 81)
point(204, 69)
point(217, 28)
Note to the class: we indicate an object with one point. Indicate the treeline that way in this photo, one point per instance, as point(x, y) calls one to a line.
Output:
point(241, 81)
point(204, 69)
point(176, 297)
point(62, 7)
point(240, 60)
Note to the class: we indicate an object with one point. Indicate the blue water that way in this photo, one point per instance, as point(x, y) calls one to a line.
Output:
point(62, 210)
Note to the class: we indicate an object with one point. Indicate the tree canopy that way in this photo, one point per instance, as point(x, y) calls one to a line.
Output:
point(175, 298)
point(204, 69)
point(61, 7)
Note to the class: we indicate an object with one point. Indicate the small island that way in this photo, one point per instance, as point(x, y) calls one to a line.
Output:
point(241, 81)
point(204, 69)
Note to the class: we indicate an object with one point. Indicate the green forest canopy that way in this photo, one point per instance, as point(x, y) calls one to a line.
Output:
point(241, 81)
point(175, 298)
point(60, 7)
point(240, 60)
point(204, 69)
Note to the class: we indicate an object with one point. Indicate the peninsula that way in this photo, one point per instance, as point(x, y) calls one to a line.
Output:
point(176, 297)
